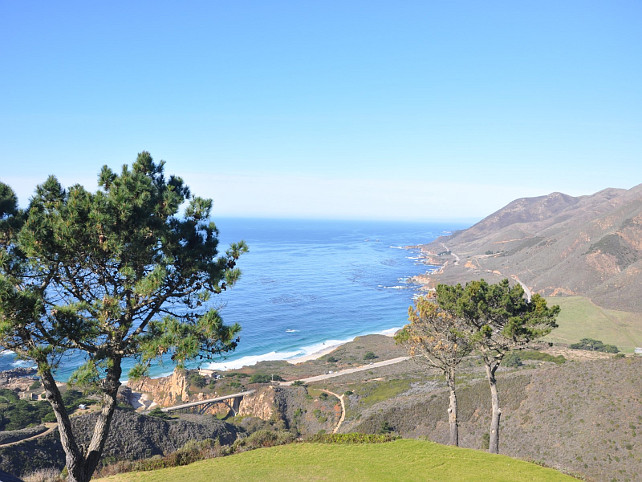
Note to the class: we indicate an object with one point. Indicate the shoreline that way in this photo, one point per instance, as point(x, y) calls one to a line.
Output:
point(294, 360)
point(318, 354)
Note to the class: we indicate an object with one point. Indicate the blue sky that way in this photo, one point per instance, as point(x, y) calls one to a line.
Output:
point(336, 109)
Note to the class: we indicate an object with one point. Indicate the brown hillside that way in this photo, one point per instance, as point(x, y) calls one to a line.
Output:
point(556, 245)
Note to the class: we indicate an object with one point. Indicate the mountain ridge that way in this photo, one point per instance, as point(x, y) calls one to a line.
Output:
point(555, 244)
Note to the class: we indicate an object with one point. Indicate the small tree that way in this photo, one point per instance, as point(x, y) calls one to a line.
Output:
point(499, 319)
point(443, 340)
point(110, 275)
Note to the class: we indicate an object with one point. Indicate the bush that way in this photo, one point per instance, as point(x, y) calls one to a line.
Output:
point(158, 413)
point(385, 427)
point(298, 383)
point(44, 475)
point(369, 356)
point(18, 414)
point(264, 438)
point(594, 345)
point(260, 378)
point(196, 379)
point(541, 356)
point(265, 378)
point(331, 359)
point(513, 360)
point(351, 438)
point(485, 441)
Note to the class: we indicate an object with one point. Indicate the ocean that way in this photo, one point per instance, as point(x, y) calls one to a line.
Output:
point(310, 284)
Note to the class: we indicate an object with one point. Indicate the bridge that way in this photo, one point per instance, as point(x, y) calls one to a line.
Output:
point(203, 405)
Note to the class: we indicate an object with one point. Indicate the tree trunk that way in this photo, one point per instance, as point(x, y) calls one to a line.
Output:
point(111, 383)
point(81, 466)
point(452, 410)
point(74, 457)
point(493, 443)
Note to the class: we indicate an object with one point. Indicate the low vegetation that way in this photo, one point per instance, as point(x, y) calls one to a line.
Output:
point(16, 414)
point(516, 358)
point(594, 345)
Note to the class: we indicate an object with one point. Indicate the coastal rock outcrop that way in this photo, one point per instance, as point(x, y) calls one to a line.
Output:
point(165, 391)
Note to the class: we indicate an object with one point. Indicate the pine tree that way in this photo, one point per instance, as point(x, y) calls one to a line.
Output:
point(114, 274)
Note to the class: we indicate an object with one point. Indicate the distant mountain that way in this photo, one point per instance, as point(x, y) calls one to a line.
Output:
point(555, 245)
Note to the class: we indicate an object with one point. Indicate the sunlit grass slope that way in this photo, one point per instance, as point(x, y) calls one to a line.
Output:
point(581, 318)
point(398, 460)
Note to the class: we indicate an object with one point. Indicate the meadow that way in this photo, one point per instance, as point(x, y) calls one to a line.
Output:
point(581, 318)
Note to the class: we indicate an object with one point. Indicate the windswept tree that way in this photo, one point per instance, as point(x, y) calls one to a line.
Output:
point(111, 275)
point(443, 341)
point(500, 319)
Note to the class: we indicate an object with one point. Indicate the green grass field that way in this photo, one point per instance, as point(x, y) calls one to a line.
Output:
point(581, 318)
point(399, 460)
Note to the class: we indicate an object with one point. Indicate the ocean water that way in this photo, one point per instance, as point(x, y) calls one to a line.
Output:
point(307, 285)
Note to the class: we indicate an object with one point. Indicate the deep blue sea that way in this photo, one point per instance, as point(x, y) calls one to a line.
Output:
point(308, 284)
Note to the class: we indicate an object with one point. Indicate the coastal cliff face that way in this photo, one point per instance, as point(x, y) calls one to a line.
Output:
point(165, 391)
point(294, 407)
point(261, 404)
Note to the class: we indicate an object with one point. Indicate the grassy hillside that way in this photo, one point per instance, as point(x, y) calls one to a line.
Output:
point(581, 318)
point(399, 460)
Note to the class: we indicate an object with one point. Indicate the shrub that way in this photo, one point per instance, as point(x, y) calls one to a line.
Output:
point(265, 378)
point(18, 414)
point(369, 356)
point(158, 413)
point(35, 385)
point(513, 360)
point(541, 356)
point(485, 441)
point(351, 438)
point(298, 383)
point(385, 427)
point(196, 379)
point(323, 396)
point(44, 475)
point(264, 438)
point(331, 359)
point(594, 345)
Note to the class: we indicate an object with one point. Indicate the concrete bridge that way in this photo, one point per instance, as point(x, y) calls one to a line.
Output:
point(231, 401)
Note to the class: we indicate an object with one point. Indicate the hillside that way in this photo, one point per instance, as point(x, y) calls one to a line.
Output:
point(556, 245)
point(581, 416)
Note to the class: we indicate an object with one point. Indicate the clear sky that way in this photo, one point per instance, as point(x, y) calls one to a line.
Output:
point(328, 109)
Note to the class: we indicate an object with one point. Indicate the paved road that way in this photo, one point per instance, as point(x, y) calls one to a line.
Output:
point(348, 371)
point(451, 253)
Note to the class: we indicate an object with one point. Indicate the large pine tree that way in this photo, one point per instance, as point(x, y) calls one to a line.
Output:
point(114, 274)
